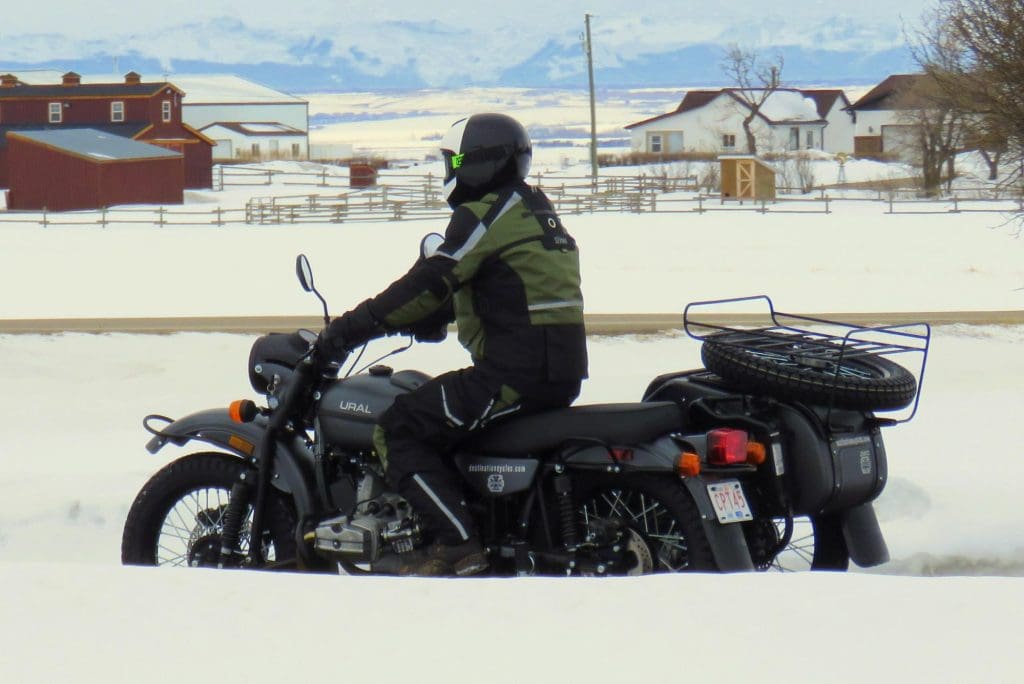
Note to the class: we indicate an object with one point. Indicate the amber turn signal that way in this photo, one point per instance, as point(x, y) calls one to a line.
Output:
point(756, 453)
point(243, 410)
point(688, 464)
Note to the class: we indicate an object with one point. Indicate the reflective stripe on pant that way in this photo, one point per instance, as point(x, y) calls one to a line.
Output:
point(421, 427)
point(416, 435)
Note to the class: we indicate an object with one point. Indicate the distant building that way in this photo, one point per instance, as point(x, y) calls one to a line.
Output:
point(246, 120)
point(884, 118)
point(256, 140)
point(711, 121)
point(85, 168)
point(146, 112)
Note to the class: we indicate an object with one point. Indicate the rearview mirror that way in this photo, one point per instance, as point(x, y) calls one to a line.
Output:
point(430, 243)
point(304, 272)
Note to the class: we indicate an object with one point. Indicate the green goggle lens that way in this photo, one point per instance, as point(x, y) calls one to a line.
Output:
point(457, 160)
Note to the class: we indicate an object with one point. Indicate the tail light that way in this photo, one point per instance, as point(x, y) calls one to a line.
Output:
point(727, 446)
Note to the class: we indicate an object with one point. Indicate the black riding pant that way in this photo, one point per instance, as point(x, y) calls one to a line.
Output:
point(416, 436)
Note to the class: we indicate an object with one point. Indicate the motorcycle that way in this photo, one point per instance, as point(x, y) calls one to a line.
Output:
point(768, 457)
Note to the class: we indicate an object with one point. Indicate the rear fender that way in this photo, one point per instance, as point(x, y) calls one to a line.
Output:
point(293, 463)
point(728, 543)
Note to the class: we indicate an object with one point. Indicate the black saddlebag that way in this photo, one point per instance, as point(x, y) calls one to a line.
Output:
point(832, 462)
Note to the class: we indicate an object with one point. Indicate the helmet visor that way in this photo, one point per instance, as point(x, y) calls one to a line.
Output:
point(452, 162)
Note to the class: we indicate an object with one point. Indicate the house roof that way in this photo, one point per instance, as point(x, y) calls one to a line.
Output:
point(125, 130)
point(826, 99)
point(255, 128)
point(64, 92)
point(889, 94)
point(96, 145)
point(784, 105)
point(212, 89)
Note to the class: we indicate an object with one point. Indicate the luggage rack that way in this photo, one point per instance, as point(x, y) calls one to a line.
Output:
point(818, 339)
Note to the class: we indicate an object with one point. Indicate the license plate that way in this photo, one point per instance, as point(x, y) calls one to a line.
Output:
point(729, 502)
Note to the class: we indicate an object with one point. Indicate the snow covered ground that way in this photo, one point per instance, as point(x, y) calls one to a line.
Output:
point(72, 458)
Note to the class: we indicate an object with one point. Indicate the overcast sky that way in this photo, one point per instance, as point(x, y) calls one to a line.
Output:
point(433, 36)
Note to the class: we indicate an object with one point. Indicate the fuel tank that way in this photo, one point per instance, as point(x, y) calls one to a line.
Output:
point(351, 407)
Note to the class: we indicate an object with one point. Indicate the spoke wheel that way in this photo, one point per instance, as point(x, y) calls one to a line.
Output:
point(664, 527)
point(788, 367)
point(812, 546)
point(177, 519)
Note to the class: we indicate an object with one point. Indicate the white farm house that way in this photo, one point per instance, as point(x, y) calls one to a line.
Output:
point(711, 121)
point(247, 120)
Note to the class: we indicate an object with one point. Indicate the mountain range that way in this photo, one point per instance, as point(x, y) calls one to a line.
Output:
point(410, 54)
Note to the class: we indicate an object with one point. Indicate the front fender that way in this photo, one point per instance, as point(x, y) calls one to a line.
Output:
point(293, 462)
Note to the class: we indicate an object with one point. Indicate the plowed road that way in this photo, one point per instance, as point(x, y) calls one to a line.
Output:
point(597, 324)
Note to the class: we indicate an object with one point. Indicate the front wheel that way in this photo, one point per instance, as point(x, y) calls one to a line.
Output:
point(663, 523)
point(177, 519)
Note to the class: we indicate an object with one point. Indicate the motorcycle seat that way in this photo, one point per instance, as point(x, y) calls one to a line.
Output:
point(612, 424)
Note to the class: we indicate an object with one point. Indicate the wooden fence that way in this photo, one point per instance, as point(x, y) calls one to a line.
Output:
point(404, 197)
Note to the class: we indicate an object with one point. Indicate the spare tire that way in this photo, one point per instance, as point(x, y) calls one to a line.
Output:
point(794, 368)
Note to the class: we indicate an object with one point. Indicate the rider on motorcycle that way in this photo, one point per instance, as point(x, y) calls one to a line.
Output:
point(508, 274)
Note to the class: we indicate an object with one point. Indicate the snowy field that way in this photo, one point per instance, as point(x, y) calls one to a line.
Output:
point(71, 446)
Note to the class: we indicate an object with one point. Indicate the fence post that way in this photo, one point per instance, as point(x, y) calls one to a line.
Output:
point(220, 221)
point(700, 203)
point(45, 222)
point(160, 217)
point(103, 217)
point(323, 176)
point(828, 210)
point(890, 204)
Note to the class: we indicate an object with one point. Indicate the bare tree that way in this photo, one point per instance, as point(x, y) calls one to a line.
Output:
point(755, 81)
point(936, 130)
point(974, 49)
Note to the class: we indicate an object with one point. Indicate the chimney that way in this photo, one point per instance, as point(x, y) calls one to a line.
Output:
point(8, 81)
point(132, 78)
point(71, 79)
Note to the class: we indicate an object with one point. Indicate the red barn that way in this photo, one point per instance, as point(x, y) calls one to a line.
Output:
point(146, 112)
point(84, 168)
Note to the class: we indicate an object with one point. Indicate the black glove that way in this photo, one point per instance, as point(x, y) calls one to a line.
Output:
point(348, 331)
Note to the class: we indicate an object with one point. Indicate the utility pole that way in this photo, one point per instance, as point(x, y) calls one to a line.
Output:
point(588, 48)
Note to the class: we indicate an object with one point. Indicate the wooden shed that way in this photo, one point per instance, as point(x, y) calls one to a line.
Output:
point(84, 168)
point(746, 177)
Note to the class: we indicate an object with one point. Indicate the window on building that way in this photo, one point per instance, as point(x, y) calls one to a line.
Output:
point(654, 144)
point(165, 111)
point(117, 111)
point(256, 150)
point(794, 138)
point(810, 140)
point(56, 112)
point(296, 150)
point(728, 140)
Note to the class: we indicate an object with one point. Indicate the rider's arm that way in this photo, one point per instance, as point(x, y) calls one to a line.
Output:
point(422, 295)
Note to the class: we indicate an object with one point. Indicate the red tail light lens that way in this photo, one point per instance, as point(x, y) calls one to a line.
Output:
point(727, 446)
